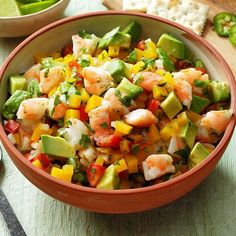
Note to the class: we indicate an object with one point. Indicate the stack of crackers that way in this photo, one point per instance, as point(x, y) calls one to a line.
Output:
point(191, 14)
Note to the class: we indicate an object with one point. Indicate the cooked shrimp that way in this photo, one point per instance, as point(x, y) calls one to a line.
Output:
point(32, 109)
point(157, 165)
point(176, 144)
point(190, 75)
point(84, 46)
point(204, 135)
point(100, 121)
point(50, 78)
point(140, 118)
point(114, 104)
point(96, 80)
point(33, 73)
point(216, 120)
point(147, 80)
point(184, 92)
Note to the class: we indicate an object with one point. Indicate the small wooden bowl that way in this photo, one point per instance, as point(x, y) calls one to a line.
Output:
point(57, 35)
point(25, 25)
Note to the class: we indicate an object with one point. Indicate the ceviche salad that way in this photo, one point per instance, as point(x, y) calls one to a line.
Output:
point(116, 112)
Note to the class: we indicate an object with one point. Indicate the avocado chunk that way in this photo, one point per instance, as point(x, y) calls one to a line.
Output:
point(12, 104)
point(199, 104)
point(33, 89)
point(134, 29)
point(57, 146)
point(171, 105)
point(172, 46)
point(131, 90)
point(197, 155)
point(199, 64)
point(110, 179)
point(167, 63)
point(218, 91)
point(188, 133)
point(17, 82)
point(115, 38)
point(118, 70)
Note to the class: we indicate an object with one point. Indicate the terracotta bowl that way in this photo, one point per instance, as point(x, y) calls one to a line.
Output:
point(25, 25)
point(58, 34)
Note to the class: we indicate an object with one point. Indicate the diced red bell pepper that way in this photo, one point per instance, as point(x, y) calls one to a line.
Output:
point(203, 70)
point(43, 158)
point(11, 126)
point(75, 64)
point(153, 105)
point(109, 141)
point(94, 173)
point(141, 45)
point(68, 49)
point(83, 114)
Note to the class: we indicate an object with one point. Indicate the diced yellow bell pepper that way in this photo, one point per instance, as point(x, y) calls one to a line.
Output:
point(71, 113)
point(169, 130)
point(139, 54)
point(93, 102)
point(103, 56)
point(120, 165)
point(115, 156)
point(70, 79)
point(100, 160)
point(193, 116)
point(150, 53)
point(68, 171)
point(113, 51)
point(124, 146)
point(159, 92)
point(125, 184)
point(59, 59)
point(57, 172)
point(169, 78)
point(40, 129)
point(68, 58)
point(137, 67)
point(74, 101)
point(182, 119)
point(153, 134)
point(132, 163)
point(37, 164)
point(122, 127)
point(84, 95)
point(161, 72)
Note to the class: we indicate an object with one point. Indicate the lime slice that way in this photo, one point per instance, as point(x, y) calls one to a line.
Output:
point(9, 8)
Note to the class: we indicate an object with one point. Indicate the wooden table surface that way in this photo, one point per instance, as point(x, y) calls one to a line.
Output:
point(210, 209)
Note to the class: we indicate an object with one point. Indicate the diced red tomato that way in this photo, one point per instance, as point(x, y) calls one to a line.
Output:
point(141, 45)
point(109, 141)
point(153, 105)
point(11, 126)
point(94, 173)
point(30, 157)
point(75, 64)
point(68, 49)
point(83, 114)
point(203, 70)
point(43, 158)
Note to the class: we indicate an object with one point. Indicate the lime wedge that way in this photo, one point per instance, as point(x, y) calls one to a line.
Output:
point(9, 8)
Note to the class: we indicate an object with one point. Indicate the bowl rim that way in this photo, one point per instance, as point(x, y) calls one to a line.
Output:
point(223, 143)
point(2, 18)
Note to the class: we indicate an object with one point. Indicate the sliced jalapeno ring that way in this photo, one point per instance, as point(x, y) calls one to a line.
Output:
point(223, 22)
point(232, 35)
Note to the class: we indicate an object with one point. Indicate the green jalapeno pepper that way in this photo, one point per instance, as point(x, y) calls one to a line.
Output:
point(232, 35)
point(223, 22)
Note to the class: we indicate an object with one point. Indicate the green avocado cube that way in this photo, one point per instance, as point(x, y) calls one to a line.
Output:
point(197, 155)
point(11, 106)
point(218, 91)
point(131, 90)
point(110, 179)
point(188, 133)
point(171, 105)
point(173, 46)
point(57, 146)
point(134, 29)
point(16, 82)
point(199, 104)
point(167, 63)
point(118, 70)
